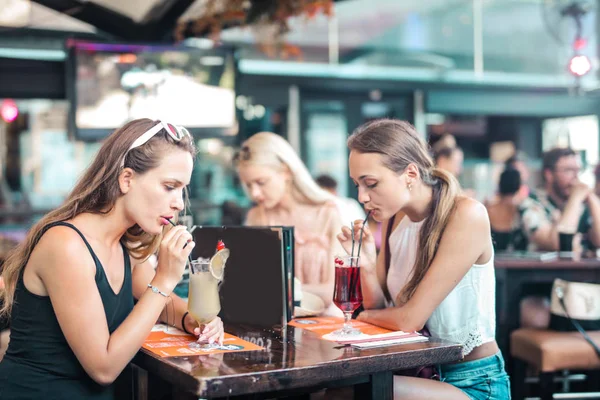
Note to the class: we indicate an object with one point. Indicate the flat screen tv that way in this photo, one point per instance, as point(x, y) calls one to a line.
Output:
point(110, 84)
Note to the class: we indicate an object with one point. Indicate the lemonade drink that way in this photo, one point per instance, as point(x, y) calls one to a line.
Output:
point(203, 297)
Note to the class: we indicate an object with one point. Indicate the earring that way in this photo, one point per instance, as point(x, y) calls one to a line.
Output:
point(409, 185)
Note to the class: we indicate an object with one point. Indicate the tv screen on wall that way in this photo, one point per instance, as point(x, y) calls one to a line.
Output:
point(111, 84)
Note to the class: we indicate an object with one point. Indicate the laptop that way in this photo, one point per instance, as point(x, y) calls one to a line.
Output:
point(257, 287)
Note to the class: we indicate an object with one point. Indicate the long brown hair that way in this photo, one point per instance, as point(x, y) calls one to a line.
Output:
point(400, 145)
point(97, 192)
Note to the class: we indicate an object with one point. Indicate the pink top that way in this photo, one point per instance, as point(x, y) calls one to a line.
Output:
point(314, 239)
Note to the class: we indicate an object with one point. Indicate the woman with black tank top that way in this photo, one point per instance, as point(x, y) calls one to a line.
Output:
point(70, 286)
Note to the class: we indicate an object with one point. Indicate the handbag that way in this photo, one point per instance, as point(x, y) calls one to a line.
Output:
point(575, 306)
point(426, 372)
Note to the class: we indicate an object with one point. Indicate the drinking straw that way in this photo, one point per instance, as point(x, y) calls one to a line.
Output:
point(361, 233)
point(354, 281)
point(189, 255)
point(352, 230)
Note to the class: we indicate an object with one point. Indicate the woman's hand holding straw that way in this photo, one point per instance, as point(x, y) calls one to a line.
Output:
point(190, 255)
point(359, 232)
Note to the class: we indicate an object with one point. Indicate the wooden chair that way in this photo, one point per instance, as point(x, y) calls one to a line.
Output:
point(550, 352)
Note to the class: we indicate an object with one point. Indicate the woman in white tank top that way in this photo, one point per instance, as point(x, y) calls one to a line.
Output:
point(441, 269)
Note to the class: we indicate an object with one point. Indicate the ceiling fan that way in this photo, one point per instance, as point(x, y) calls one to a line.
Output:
point(569, 20)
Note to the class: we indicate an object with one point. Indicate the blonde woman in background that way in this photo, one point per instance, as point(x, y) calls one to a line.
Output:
point(284, 193)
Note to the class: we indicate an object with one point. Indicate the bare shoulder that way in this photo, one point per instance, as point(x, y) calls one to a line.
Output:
point(60, 240)
point(469, 223)
point(330, 212)
point(57, 249)
point(469, 212)
point(330, 207)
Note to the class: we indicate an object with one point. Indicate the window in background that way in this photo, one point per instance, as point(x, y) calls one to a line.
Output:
point(214, 182)
point(50, 162)
point(325, 135)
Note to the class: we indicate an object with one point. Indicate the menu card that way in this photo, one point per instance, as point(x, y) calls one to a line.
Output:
point(324, 326)
point(175, 343)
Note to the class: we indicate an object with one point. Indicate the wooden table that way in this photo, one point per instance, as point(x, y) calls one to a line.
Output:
point(294, 361)
point(512, 276)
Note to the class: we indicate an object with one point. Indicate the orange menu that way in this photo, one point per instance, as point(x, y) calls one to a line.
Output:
point(323, 326)
point(175, 343)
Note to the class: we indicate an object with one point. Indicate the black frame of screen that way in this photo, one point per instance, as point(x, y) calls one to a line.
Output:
point(94, 135)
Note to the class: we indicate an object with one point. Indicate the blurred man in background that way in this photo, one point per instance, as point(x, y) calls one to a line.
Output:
point(567, 204)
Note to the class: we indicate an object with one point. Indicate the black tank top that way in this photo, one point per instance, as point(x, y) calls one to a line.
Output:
point(39, 362)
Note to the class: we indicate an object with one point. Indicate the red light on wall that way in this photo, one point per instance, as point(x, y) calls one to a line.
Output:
point(579, 65)
point(9, 110)
point(579, 44)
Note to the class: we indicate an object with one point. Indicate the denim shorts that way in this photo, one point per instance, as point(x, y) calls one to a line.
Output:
point(483, 379)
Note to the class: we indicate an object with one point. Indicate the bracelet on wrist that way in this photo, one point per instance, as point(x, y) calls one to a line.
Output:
point(183, 323)
point(156, 290)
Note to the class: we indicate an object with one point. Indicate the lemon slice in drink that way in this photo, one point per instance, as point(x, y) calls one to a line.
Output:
point(217, 263)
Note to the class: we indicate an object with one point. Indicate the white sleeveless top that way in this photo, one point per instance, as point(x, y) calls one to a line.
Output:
point(468, 314)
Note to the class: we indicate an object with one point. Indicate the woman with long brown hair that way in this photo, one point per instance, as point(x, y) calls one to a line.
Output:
point(71, 284)
point(441, 269)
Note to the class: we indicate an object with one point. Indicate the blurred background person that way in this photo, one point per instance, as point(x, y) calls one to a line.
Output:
point(564, 205)
point(445, 141)
point(284, 193)
point(450, 159)
point(519, 162)
point(505, 213)
point(350, 209)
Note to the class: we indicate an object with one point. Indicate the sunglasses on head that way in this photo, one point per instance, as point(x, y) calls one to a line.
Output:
point(174, 131)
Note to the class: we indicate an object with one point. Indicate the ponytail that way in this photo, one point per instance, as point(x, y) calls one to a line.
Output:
point(445, 191)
